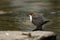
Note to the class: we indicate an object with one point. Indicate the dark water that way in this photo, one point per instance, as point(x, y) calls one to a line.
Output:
point(18, 20)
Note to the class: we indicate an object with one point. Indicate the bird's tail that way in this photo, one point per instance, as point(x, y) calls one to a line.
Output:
point(45, 22)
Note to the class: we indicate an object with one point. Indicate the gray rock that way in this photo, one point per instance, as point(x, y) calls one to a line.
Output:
point(30, 35)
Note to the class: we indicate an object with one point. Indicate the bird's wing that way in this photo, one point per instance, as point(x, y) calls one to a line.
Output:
point(37, 20)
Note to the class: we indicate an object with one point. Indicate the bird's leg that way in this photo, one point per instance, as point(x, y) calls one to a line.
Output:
point(38, 28)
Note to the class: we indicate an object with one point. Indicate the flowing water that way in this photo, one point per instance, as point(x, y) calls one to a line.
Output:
point(18, 19)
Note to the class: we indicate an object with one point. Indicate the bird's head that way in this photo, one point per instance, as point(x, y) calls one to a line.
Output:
point(32, 13)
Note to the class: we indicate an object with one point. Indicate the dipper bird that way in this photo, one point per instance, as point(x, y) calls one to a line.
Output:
point(37, 20)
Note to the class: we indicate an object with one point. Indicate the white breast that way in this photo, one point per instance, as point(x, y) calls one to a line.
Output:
point(30, 17)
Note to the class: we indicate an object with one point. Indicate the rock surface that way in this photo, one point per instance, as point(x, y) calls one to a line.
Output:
point(30, 35)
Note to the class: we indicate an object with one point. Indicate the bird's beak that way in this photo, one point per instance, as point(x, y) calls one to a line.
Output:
point(29, 15)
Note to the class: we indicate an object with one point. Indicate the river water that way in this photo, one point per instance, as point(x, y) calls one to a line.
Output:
point(18, 19)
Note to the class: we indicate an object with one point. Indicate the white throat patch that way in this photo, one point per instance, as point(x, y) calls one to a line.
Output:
point(30, 17)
